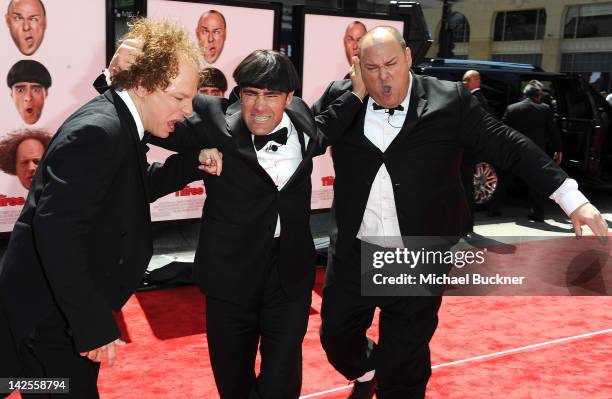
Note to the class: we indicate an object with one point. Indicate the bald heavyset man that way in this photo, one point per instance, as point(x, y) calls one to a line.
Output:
point(411, 131)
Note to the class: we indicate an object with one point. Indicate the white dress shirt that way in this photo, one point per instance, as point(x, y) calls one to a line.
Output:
point(380, 225)
point(123, 94)
point(282, 163)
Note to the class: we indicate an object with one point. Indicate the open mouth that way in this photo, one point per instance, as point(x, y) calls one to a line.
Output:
point(29, 111)
point(386, 90)
point(171, 125)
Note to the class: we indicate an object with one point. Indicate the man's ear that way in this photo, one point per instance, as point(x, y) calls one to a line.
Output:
point(289, 98)
point(141, 91)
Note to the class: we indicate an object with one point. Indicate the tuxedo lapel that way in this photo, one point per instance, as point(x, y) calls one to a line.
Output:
point(302, 120)
point(359, 125)
point(127, 121)
point(418, 105)
point(244, 141)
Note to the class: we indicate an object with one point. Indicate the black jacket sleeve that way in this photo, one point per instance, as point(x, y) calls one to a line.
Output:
point(334, 113)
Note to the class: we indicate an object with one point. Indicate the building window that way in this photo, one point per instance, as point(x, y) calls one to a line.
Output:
point(596, 68)
point(533, 59)
point(592, 20)
point(459, 27)
point(520, 25)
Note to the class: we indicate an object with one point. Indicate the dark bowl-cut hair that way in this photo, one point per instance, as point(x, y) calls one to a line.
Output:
point(213, 77)
point(267, 69)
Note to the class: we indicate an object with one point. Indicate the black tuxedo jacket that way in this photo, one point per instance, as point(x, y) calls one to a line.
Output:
point(424, 163)
point(535, 121)
point(483, 102)
point(83, 241)
point(243, 203)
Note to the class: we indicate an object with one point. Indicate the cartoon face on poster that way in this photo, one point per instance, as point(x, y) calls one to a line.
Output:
point(45, 80)
point(329, 43)
point(226, 35)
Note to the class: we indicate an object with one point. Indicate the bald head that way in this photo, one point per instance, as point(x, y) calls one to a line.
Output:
point(471, 80)
point(353, 33)
point(382, 34)
point(26, 21)
point(211, 33)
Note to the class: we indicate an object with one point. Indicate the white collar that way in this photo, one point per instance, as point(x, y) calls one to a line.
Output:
point(123, 94)
point(474, 90)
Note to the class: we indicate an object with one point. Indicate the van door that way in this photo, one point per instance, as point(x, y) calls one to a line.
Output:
point(601, 142)
point(577, 124)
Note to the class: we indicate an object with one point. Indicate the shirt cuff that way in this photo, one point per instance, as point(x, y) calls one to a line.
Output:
point(106, 73)
point(359, 98)
point(568, 196)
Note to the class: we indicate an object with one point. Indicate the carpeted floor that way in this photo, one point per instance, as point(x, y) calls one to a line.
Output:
point(167, 352)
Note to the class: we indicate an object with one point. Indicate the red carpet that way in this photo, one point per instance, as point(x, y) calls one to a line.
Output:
point(167, 355)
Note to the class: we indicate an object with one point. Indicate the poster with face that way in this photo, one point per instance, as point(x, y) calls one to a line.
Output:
point(51, 52)
point(226, 34)
point(328, 44)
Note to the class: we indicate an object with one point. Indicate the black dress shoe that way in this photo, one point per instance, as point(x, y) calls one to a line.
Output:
point(363, 390)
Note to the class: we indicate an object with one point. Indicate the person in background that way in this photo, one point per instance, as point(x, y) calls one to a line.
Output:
point(535, 120)
point(212, 82)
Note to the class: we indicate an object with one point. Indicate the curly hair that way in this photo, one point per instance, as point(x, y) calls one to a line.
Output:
point(164, 45)
point(10, 143)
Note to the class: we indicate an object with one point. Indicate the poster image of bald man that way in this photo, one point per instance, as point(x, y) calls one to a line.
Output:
point(29, 83)
point(211, 33)
point(21, 151)
point(353, 33)
point(26, 21)
point(212, 82)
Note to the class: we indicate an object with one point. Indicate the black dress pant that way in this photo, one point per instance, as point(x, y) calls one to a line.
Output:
point(401, 358)
point(49, 353)
point(276, 324)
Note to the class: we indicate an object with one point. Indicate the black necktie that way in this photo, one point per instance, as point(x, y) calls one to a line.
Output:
point(280, 137)
point(389, 110)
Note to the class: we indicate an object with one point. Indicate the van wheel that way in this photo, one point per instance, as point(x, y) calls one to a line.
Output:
point(485, 184)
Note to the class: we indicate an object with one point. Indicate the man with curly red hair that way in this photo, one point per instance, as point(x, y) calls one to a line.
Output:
point(83, 240)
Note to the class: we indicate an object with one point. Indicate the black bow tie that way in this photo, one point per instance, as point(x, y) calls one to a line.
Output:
point(389, 110)
point(279, 136)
